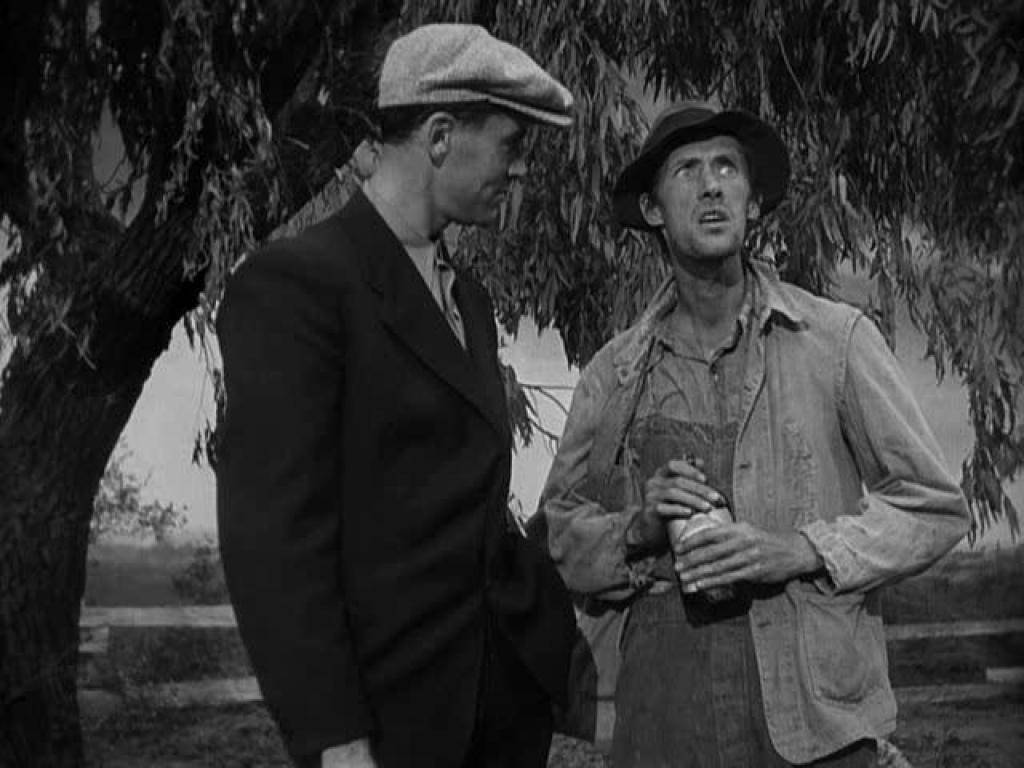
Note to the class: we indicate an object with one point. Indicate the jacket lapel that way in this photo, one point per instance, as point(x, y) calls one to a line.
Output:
point(478, 321)
point(410, 312)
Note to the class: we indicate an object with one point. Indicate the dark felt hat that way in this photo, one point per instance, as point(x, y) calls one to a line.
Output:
point(694, 121)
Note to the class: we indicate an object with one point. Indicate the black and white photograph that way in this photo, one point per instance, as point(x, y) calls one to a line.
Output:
point(511, 384)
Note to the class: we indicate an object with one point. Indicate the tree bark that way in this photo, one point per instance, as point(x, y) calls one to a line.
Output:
point(69, 389)
point(60, 417)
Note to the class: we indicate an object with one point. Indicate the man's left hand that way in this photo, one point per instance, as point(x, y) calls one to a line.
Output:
point(734, 552)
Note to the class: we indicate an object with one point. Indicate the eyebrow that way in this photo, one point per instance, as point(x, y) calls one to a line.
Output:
point(733, 155)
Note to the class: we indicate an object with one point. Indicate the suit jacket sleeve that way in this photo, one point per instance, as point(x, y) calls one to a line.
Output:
point(279, 511)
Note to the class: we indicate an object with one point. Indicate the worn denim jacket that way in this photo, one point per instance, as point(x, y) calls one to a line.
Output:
point(831, 444)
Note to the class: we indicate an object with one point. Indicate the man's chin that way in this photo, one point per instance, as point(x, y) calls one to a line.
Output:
point(708, 257)
point(485, 219)
point(718, 248)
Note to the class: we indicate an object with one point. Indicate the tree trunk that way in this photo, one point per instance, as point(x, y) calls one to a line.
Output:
point(70, 386)
point(61, 413)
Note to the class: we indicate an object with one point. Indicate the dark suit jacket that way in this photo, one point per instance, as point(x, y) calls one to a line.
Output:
point(363, 476)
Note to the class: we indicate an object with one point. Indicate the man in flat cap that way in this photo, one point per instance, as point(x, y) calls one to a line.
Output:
point(739, 474)
point(391, 612)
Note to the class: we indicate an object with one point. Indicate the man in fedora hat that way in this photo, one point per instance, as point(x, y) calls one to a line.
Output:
point(392, 614)
point(740, 472)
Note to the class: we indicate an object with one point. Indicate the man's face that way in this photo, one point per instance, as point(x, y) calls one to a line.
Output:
point(483, 161)
point(702, 198)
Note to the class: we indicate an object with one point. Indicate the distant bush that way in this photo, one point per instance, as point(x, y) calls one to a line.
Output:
point(201, 582)
point(118, 508)
point(127, 573)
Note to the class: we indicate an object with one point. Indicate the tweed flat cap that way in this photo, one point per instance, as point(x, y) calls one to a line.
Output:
point(461, 63)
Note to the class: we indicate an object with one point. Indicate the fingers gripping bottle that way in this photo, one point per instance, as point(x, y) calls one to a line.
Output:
point(680, 529)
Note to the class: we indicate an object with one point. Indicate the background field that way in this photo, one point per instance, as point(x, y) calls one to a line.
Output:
point(985, 584)
point(965, 586)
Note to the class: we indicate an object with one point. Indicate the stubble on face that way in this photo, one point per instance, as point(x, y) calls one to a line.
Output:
point(701, 201)
point(485, 160)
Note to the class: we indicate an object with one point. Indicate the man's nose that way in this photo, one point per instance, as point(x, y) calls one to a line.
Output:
point(517, 169)
point(710, 184)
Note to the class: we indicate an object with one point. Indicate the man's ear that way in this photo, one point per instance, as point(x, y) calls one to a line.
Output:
point(438, 131)
point(754, 209)
point(366, 158)
point(651, 211)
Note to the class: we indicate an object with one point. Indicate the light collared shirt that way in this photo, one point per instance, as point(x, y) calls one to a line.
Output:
point(689, 403)
point(432, 263)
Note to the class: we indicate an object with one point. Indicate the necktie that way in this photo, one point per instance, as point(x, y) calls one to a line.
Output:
point(444, 282)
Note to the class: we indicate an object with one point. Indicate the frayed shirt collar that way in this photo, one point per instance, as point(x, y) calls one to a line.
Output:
point(764, 292)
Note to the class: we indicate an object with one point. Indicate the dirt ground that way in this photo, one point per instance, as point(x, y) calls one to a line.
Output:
point(981, 734)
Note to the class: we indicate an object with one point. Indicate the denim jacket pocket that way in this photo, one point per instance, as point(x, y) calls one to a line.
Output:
point(843, 646)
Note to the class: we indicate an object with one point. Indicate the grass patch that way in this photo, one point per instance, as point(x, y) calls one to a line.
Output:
point(140, 656)
point(963, 586)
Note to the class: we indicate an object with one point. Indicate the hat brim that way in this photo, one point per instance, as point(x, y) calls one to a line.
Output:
point(765, 151)
point(446, 97)
point(534, 113)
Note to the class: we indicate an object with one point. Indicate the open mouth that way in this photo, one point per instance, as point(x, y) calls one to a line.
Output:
point(714, 217)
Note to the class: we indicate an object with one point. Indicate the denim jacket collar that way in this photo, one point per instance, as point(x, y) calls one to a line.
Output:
point(769, 300)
